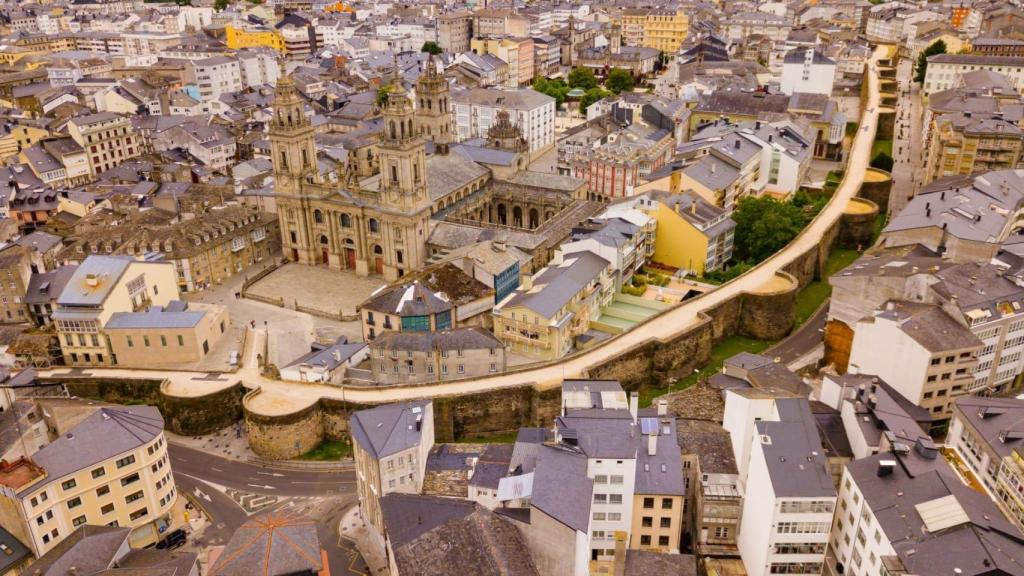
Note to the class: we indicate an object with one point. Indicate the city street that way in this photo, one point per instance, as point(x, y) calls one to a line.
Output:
point(907, 147)
point(258, 479)
point(324, 496)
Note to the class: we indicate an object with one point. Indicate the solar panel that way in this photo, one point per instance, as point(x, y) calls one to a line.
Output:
point(648, 425)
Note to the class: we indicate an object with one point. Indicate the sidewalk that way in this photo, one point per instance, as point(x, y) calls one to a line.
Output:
point(230, 443)
point(355, 529)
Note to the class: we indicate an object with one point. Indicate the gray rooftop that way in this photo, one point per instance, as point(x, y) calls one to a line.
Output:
point(796, 466)
point(104, 434)
point(154, 318)
point(105, 269)
point(556, 285)
point(561, 488)
point(992, 418)
point(388, 429)
point(89, 549)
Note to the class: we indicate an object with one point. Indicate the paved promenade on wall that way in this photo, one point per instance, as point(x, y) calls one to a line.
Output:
point(664, 327)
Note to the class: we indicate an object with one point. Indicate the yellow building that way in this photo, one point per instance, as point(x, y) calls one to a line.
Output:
point(965, 143)
point(660, 485)
point(237, 38)
point(516, 52)
point(109, 469)
point(174, 336)
point(666, 30)
point(21, 136)
point(692, 233)
point(101, 287)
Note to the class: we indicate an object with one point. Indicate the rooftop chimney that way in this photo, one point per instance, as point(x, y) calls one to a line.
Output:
point(652, 443)
point(885, 467)
point(662, 407)
point(634, 403)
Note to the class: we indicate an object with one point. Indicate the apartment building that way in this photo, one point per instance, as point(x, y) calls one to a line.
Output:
point(938, 356)
point(660, 488)
point(944, 70)
point(615, 159)
point(253, 37)
point(907, 512)
point(390, 446)
point(625, 242)
point(216, 76)
point(745, 24)
point(16, 267)
point(476, 110)
point(714, 506)
point(692, 234)
point(543, 317)
point(406, 307)
point(988, 436)
point(173, 336)
point(967, 142)
point(454, 31)
point(99, 288)
point(516, 52)
point(807, 70)
point(107, 138)
point(788, 495)
point(110, 469)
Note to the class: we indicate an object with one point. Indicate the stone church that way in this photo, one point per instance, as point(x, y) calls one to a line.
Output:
point(380, 225)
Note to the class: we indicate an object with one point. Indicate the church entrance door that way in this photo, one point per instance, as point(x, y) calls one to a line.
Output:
point(326, 255)
point(350, 259)
point(378, 266)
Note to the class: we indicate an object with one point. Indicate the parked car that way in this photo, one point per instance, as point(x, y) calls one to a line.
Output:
point(173, 540)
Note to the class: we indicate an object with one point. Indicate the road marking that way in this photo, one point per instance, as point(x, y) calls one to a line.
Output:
point(202, 494)
point(266, 487)
point(274, 474)
point(215, 469)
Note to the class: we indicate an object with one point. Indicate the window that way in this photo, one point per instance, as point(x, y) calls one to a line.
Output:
point(600, 479)
point(133, 497)
point(68, 484)
point(648, 503)
point(103, 491)
point(78, 521)
point(145, 341)
point(599, 516)
point(107, 509)
point(616, 479)
point(74, 502)
point(130, 479)
point(645, 540)
point(129, 340)
point(615, 498)
point(181, 340)
point(666, 503)
point(600, 498)
point(138, 514)
point(99, 472)
point(34, 501)
point(647, 522)
point(665, 523)
point(662, 540)
point(127, 460)
point(163, 340)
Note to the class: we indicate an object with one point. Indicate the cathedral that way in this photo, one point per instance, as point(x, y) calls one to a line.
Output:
point(381, 225)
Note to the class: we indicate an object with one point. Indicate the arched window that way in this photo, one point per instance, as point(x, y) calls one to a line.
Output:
point(374, 225)
point(323, 239)
point(305, 158)
point(318, 216)
point(394, 133)
point(284, 159)
point(346, 221)
point(430, 104)
point(398, 256)
point(377, 249)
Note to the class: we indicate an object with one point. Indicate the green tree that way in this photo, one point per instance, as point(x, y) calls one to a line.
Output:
point(763, 226)
point(582, 78)
point(937, 47)
point(382, 95)
point(431, 47)
point(619, 80)
point(662, 60)
point(557, 89)
point(592, 95)
point(220, 5)
point(882, 161)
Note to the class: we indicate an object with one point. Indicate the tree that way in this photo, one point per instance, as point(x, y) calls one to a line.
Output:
point(431, 47)
point(557, 89)
point(763, 226)
point(937, 47)
point(582, 78)
point(882, 161)
point(220, 5)
point(592, 95)
point(619, 80)
point(382, 95)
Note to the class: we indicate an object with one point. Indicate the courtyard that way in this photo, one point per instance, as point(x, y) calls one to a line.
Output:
point(317, 287)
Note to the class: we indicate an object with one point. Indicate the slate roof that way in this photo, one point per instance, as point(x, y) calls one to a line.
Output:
point(14, 552)
point(89, 548)
point(447, 173)
point(407, 300)
point(930, 326)
point(466, 338)
point(444, 538)
point(154, 317)
point(108, 269)
point(650, 563)
point(323, 355)
point(388, 429)
point(991, 417)
point(796, 466)
point(556, 285)
point(709, 442)
point(561, 488)
point(104, 434)
point(279, 543)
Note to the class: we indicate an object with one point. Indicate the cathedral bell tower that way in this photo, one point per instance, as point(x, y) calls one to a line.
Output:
point(433, 115)
point(403, 175)
point(292, 142)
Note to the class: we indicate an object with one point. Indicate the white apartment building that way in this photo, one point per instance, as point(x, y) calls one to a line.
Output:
point(937, 355)
point(746, 24)
point(258, 67)
point(807, 70)
point(110, 469)
point(788, 495)
point(944, 70)
point(216, 76)
point(476, 109)
point(390, 445)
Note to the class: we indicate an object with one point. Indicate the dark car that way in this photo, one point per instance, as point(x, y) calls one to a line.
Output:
point(172, 540)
